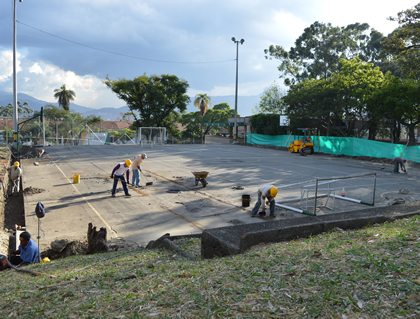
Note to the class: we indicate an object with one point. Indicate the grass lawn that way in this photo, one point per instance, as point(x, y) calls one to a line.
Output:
point(367, 273)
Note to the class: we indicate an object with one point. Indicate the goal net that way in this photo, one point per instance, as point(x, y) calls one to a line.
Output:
point(149, 136)
point(338, 194)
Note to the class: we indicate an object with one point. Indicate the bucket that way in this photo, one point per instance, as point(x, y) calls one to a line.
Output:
point(246, 200)
point(76, 179)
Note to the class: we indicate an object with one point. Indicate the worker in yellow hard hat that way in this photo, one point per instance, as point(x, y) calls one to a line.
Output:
point(15, 174)
point(118, 174)
point(266, 195)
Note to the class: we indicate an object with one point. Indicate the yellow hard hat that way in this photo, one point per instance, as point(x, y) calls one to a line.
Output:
point(16, 164)
point(273, 191)
point(128, 162)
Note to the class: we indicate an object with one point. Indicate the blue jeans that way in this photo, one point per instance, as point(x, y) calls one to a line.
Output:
point(258, 204)
point(124, 184)
point(136, 177)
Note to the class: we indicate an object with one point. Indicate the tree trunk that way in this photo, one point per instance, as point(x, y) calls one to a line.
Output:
point(372, 130)
point(201, 131)
point(97, 242)
point(411, 134)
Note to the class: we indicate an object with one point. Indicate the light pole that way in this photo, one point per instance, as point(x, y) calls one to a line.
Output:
point(236, 88)
point(15, 107)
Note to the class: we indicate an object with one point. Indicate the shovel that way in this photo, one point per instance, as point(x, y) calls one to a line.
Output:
point(148, 183)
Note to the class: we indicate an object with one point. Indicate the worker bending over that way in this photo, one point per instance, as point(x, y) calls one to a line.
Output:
point(399, 162)
point(266, 195)
point(136, 169)
point(28, 251)
point(118, 174)
point(15, 174)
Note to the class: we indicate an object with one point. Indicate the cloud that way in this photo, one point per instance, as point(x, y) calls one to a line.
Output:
point(40, 79)
point(35, 68)
point(6, 65)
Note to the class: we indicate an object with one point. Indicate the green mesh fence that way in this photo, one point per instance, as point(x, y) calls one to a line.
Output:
point(343, 146)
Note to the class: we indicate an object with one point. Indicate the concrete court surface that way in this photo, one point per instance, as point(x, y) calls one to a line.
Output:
point(173, 204)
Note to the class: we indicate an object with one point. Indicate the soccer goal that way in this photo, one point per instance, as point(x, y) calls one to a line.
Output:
point(149, 136)
point(339, 194)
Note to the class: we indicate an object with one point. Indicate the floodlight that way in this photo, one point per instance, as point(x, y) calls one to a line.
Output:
point(233, 39)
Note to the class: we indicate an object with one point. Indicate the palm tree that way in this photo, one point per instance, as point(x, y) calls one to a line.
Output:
point(202, 101)
point(64, 97)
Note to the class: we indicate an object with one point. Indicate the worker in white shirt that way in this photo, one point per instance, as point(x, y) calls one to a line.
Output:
point(15, 174)
point(266, 195)
point(118, 174)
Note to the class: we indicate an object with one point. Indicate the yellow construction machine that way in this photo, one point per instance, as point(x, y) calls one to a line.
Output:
point(303, 144)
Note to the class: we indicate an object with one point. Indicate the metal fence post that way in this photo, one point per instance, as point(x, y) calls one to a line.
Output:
point(316, 195)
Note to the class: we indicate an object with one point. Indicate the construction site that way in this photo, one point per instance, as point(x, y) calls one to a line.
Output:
point(75, 183)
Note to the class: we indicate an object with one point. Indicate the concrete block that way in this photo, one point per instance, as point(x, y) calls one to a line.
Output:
point(232, 240)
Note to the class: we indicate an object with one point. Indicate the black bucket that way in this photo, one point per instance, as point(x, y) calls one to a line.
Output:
point(246, 200)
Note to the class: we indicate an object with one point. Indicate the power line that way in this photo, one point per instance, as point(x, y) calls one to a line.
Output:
point(121, 54)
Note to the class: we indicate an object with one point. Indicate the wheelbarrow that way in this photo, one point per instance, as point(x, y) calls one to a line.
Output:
point(201, 177)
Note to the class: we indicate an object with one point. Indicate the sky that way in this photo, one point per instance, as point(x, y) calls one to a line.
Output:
point(80, 42)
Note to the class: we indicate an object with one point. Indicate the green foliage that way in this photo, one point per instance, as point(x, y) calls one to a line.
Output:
point(268, 124)
point(318, 50)
point(93, 120)
point(312, 103)
point(23, 109)
point(220, 113)
point(54, 113)
point(399, 99)
point(403, 44)
point(271, 100)
point(169, 123)
point(64, 96)
point(154, 97)
point(347, 95)
point(202, 101)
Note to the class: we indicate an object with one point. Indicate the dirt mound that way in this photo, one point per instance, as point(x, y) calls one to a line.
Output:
point(32, 190)
point(72, 248)
point(80, 247)
point(32, 151)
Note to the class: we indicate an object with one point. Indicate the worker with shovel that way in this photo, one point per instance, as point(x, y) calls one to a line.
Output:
point(15, 174)
point(136, 169)
point(118, 174)
point(265, 193)
point(399, 162)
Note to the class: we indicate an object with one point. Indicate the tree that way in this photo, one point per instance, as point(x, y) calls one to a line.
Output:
point(154, 97)
point(399, 100)
point(93, 120)
point(324, 103)
point(403, 44)
point(313, 103)
point(318, 50)
point(267, 124)
point(7, 111)
point(220, 113)
point(64, 97)
point(356, 82)
point(54, 113)
point(202, 101)
point(271, 100)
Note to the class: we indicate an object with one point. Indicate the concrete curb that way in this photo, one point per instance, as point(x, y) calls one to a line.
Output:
point(233, 240)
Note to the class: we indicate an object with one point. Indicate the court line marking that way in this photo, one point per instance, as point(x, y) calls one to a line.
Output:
point(87, 202)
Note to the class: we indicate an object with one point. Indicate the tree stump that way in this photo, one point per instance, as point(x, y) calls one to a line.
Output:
point(97, 242)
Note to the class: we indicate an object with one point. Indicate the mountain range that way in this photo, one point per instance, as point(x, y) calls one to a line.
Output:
point(245, 105)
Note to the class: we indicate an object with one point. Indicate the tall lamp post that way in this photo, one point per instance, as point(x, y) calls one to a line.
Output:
point(15, 107)
point(236, 88)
